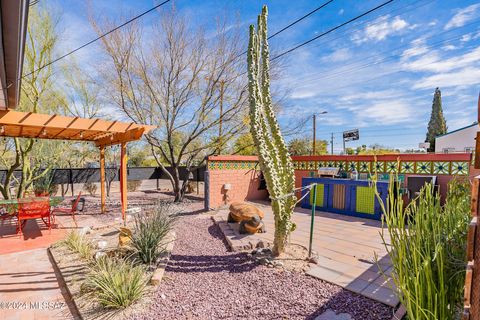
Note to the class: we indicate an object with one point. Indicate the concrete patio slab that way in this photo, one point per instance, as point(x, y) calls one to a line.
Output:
point(29, 288)
point(347, 249)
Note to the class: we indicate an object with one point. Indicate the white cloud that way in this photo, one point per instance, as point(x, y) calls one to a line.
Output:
point(385, 107)
point(463, 16)
point(303, 94)
point(341, 11)
point(338, 55)
point(463, 77)
point(380, 29)
point(470, 36)
point(449, 47)
point(466, 37)
point(418, 47)
point(431, 61)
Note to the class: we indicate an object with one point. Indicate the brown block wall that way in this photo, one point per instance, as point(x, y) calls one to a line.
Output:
point(244, 186)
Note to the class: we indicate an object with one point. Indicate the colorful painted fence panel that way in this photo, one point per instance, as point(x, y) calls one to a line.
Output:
point(242, 173)
point(348, 197)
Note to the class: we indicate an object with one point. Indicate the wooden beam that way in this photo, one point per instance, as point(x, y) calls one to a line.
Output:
point(123, 178)
point(39, 120)
point(102, 177)
point(131, 135)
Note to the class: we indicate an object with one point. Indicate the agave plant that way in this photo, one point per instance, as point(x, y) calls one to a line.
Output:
point(148, 238)
point(114, 283)
point(78, 243)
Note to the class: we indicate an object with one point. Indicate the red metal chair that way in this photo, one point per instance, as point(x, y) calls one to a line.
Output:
point(71, 211)
point(29, 209)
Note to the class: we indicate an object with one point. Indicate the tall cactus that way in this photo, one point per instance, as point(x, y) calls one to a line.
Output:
point(274, 159)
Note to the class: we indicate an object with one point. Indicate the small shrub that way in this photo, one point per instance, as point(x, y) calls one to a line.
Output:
point(133, 185)
point(150, 232)
point(77, 242)
point(90, 187)
point(114, 283)
point(428, 254)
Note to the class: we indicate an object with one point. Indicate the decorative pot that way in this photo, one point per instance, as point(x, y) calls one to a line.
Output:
point(124, 237)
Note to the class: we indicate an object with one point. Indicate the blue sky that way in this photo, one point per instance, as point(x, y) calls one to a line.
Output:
point(377, 74)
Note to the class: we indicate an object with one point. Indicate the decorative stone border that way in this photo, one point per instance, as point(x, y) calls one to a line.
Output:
point(235, 241)
point(72, 270)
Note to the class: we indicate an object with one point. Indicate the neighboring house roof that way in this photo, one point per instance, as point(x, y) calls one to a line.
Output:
point(13, 30)
point(460, 129)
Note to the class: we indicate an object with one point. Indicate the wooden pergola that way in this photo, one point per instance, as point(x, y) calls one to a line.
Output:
point(101, 132)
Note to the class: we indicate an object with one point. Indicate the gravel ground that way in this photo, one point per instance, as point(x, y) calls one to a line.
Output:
point(205, 281)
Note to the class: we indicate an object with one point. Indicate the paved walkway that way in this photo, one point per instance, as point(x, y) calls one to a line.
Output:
point(29, 287)
point(346, 248)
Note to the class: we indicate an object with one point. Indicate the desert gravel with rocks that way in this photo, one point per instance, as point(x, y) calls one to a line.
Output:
point(206, 281)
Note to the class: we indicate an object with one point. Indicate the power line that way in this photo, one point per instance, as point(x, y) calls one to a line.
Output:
point(291, 24)
point(313, 77)
point(372, 130)
point(331, 30)
point(351, 29)
point(374, 78)
point(299, 19)
point(320, 35)
point(97, 38)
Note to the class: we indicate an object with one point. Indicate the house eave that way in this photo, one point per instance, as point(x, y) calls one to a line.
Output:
point(13, 25)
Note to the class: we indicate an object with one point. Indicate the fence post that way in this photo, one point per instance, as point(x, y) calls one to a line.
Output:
point(314, 204)
point(206, 185)
point(198, 179)
point(71, 180)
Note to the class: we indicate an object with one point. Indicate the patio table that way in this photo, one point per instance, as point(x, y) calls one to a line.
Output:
point(29, 208)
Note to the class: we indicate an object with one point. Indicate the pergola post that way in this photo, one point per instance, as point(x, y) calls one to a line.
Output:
point(123, 178)
point(102, 177)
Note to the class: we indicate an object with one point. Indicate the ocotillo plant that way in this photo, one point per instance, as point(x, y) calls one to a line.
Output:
point(274, 159)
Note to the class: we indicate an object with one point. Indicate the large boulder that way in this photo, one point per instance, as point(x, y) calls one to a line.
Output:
point(249, 216)
point(242, 211)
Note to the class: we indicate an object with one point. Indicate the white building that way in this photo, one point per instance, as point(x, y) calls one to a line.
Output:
point(460, 140)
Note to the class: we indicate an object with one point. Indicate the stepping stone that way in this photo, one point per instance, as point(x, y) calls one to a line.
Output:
point(331, 315)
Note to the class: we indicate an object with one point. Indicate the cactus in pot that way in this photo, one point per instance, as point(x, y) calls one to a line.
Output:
point(274, 159)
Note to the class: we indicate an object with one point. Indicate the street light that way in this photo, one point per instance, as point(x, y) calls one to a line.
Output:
point(314, 126)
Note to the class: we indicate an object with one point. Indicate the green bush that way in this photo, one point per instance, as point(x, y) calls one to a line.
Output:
point(148, 238)
point(114, 283)
point(78, 243)
point(90, 187)
point(428, 248)
point(133, 185)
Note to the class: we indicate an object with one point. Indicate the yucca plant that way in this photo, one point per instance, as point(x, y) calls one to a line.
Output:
point(78, 243)
point(114, 283)
point(148, 238)
point(428, 248)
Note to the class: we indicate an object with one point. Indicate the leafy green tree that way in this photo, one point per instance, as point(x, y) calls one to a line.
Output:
point(376, 149)
point(33, 157)
point(303, 147)
point(244, 145)
point(437, 124)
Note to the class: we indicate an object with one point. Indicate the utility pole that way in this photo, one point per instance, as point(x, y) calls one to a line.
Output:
point(314, 129)
point(331, 144)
